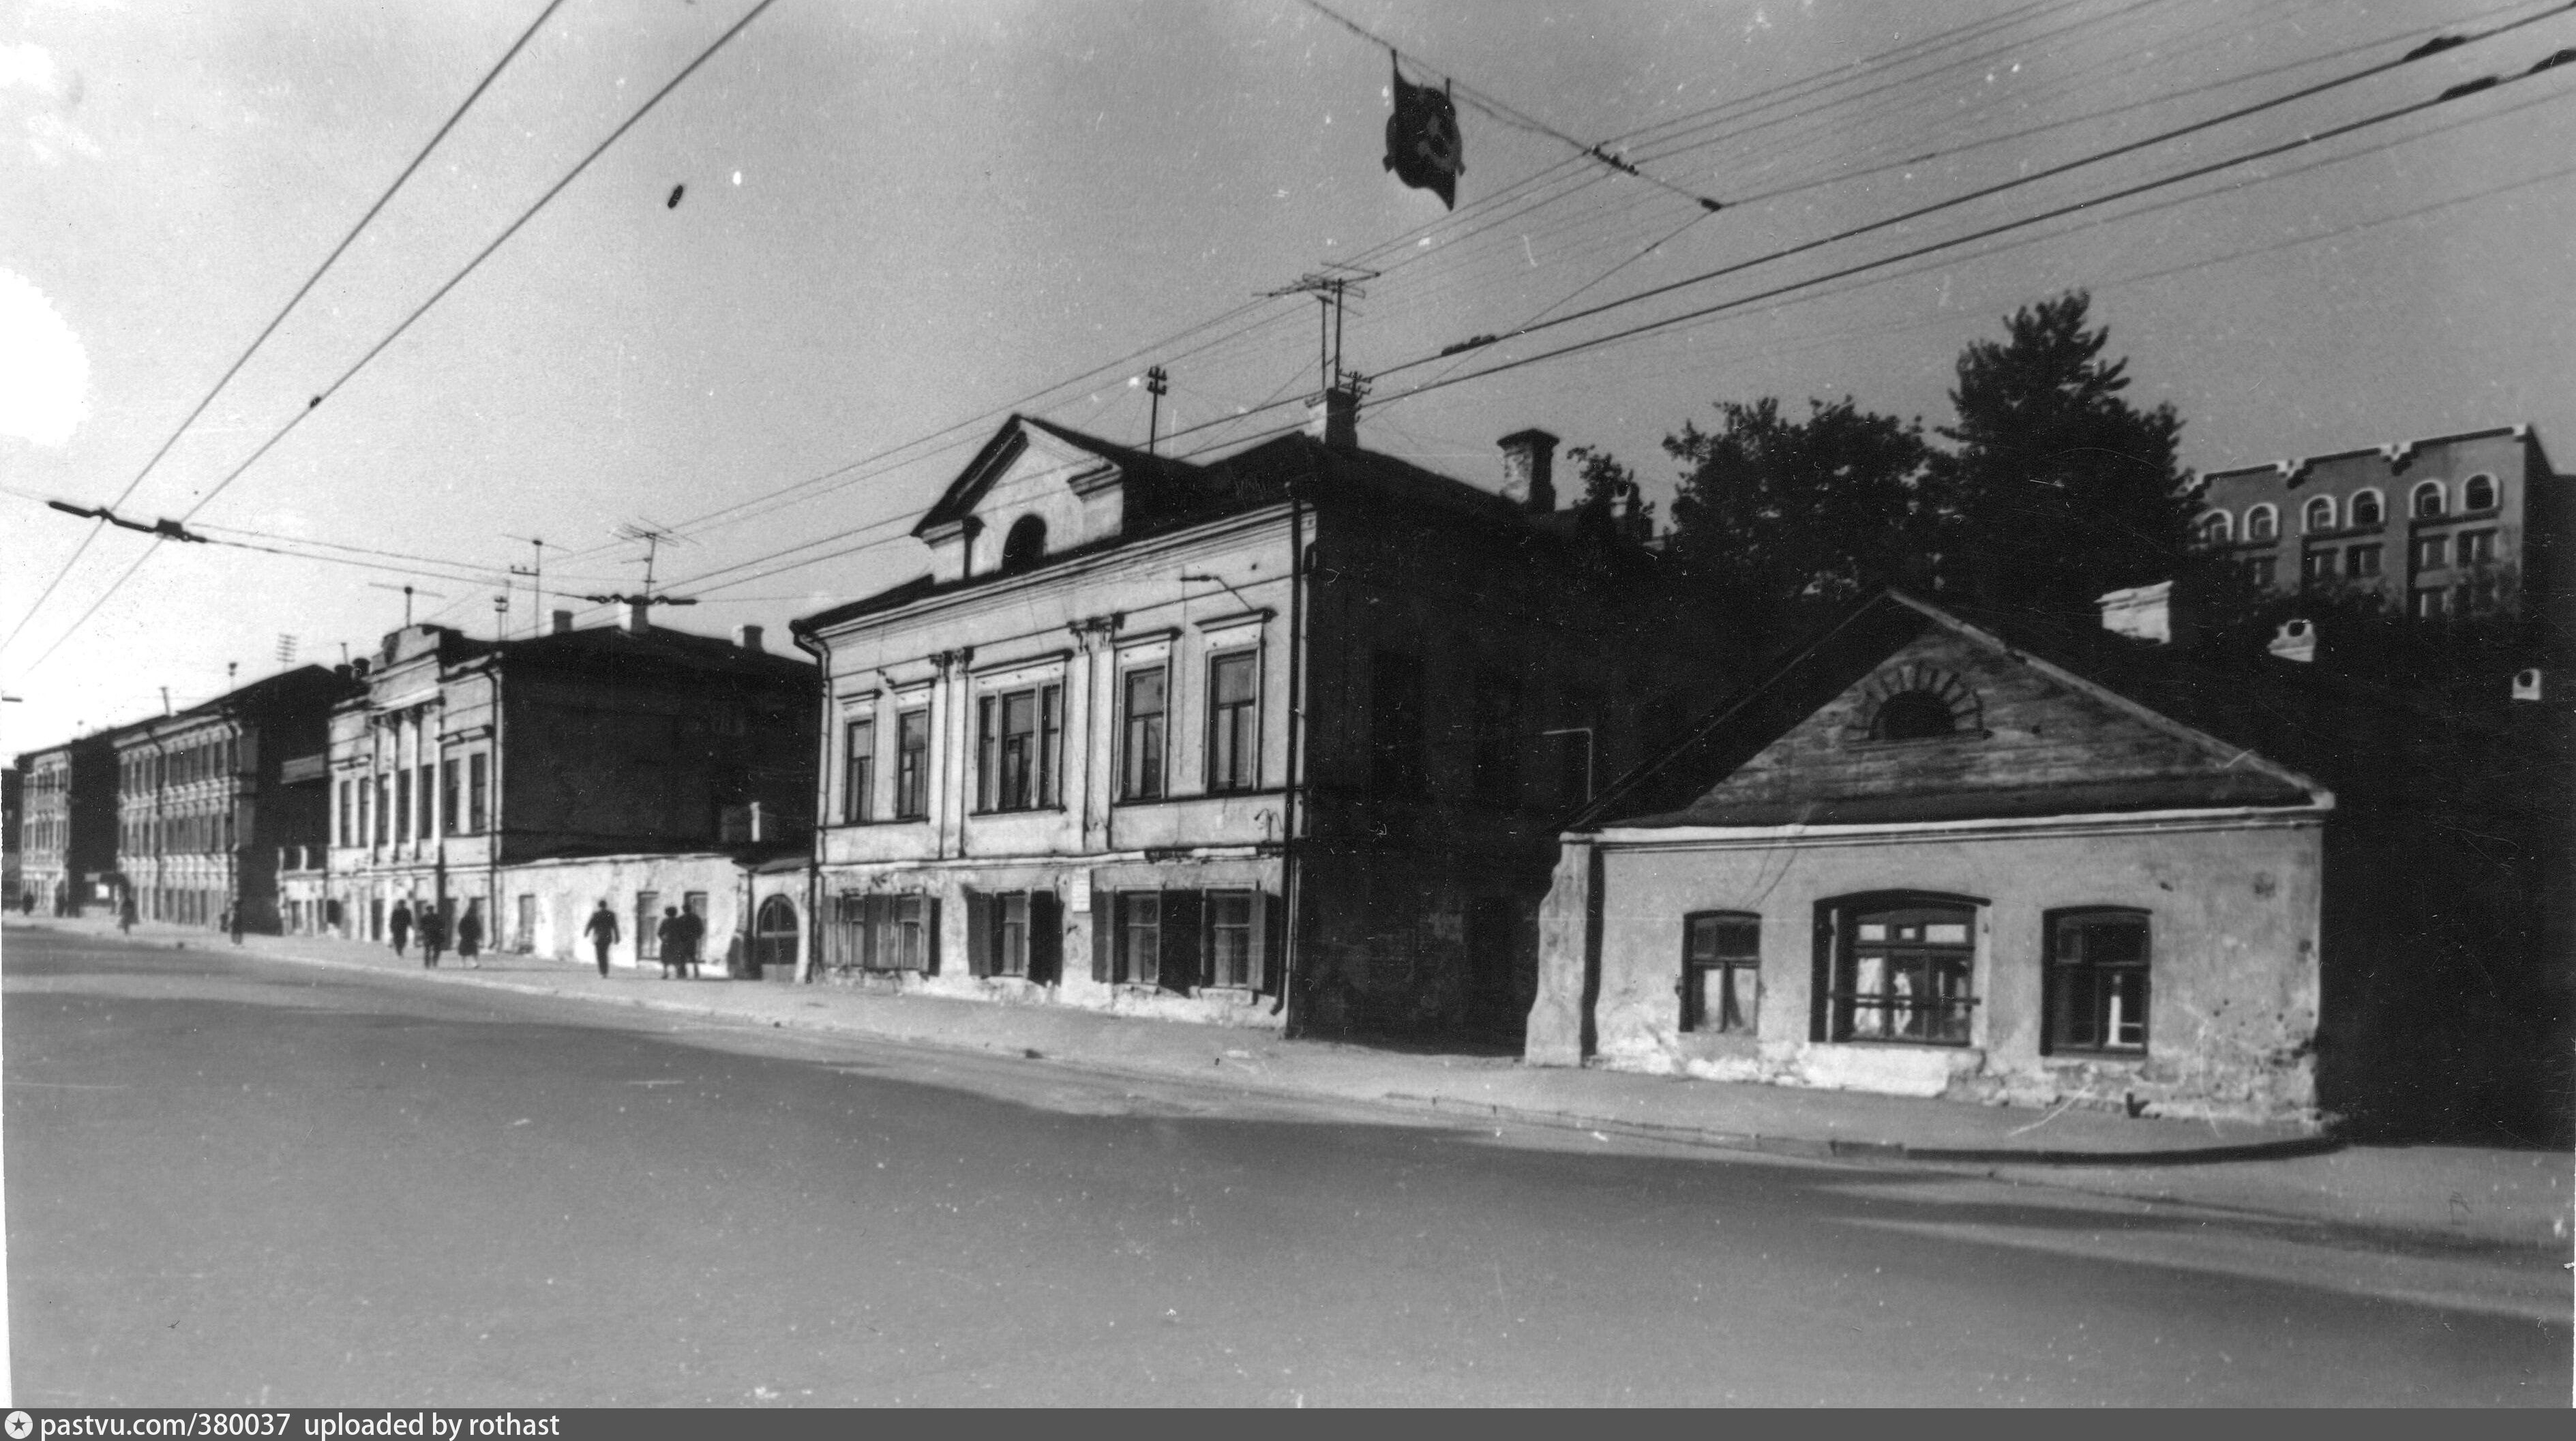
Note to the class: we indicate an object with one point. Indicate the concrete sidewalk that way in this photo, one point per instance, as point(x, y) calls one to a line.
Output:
point(2466, 1195)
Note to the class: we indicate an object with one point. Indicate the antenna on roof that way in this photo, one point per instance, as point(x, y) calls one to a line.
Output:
point(407, 595)
point(1331, 291)
point(652, 534)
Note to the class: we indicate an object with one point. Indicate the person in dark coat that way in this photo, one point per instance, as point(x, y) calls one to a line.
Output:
point(233, 921)
point(400, 924)
point(432, 926)
point(469, 934)
point(693, 934)
point(602, 930)
point(669, 933)
point(125, 914)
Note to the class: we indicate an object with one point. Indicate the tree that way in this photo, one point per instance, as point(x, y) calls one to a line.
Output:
point(1784, 514)
point(1607, 483)
point(2059, 489)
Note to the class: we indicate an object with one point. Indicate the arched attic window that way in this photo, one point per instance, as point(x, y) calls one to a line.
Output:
point(1025, 545)
point(2428, 498)
point(2366, 508)
point(1912, 715)
point(2479, 493)
point(2321, 514)
point(2217, 528)
point(2262, 523)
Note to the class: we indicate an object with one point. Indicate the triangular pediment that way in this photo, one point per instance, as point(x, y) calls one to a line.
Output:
point(1918, 716)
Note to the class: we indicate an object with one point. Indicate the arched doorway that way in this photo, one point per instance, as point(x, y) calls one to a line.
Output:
point(773, 940)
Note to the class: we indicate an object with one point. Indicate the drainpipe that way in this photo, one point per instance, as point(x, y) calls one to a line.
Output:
point(1288, 888)
point(806, 954)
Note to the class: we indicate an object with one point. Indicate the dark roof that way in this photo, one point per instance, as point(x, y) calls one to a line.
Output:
point(2274, 714)
point(614, 647)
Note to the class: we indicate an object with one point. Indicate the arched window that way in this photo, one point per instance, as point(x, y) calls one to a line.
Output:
point(2478, 493)
point(2366, 508)
point(1903, 968)
point(1912, 715)
point(774, 936)
point(2428, 499)
point(2262, 523)
point(2217, 528)
point(2320, 514)
point(1025, 545)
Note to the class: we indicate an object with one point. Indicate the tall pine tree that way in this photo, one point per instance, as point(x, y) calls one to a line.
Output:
point(2058, 489)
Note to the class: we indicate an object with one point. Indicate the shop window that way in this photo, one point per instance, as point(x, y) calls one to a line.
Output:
point(1234, 722)
point(1015, 746)
point(1721, 973)
point(1140, 757)
point(2478, 493)
point(2097, 981)
point(912, 765)
point(1901, 968)
point(858, 770)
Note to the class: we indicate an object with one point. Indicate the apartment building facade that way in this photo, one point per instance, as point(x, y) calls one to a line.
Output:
point(1274, 741)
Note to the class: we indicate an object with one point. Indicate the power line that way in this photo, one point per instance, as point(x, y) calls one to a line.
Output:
point(291, 302)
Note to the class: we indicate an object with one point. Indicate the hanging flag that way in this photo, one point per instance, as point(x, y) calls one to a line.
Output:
point(1422, 140)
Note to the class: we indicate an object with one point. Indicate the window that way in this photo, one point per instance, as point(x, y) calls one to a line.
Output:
point(2262, 523)
point(1140, 936)
point(648, 925)
point(2217, 528)
point(1140, 758)
point(2320, 514)
point(858, 770)
point(478, 786)
point(912, 765)
point(1721, 973)
point(2360, 562)
point(2477, 547)
point(2432, 552)
point(1234, 722)
point(2431, 602)
point(2428, 499)
point(913, 936)
point(402, 805)
point(2478, 493)
point(1016, 933)
point(1902, 971)
point(2366, 509)
point(1232, 938)
point(1497, 762)
point(1912, 715)
point(451, 781)
point(2097, 981)
point(2317, 565)
point(348, 794)
point(2476, 597)
point(1397, 763)
point(2264, 571)
point(1015, 749)
point(523, 936)
point(1026, 544)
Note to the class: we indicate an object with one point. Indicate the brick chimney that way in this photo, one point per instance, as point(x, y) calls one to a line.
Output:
point(1529, 470)
point(747, 637)
point(1334, 418)
point(634, 617)
point(562, 623)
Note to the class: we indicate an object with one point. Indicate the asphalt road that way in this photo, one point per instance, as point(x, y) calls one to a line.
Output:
point(243, 1182)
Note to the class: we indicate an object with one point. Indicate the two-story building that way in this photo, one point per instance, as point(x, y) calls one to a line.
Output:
point(205, 804)
point(2454, 525)
point(1276, 741)
point(524, 782)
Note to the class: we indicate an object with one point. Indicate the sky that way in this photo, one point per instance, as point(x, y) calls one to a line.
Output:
point(776, 315)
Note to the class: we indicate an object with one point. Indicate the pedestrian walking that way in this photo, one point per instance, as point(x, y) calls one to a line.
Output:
point(125, 914)
point(400, 924)
point(432, 927)
point(693, 934)
point(602, 930)
point(233, 921)
point(469, 934)
point(668, 933)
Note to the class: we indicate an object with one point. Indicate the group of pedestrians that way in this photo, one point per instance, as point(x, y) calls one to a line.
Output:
point(430, 925)
point(680, 932)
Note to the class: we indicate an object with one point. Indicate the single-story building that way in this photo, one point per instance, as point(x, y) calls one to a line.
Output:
point(754, 910)
point(1913, 858)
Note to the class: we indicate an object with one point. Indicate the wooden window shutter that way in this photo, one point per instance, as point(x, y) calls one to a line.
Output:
point(1104, 926)
point(1183, 913)
point(930, 935)
point(1046, 937)
point(979, 933)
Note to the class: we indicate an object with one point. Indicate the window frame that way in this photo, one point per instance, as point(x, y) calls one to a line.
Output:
point(1747, 1013)
point(2263, 522)
point(2415, 507)
point(858, 769)
point(1040, 781)
point(2215, 527)
point(2378, 508)
point(2429, 552)
point(1248, 976)
point(1838, 992)
point(1233, 754)
point(2058, 974)
point(2495, 493)
point(2361, 562)
point(2309, 510)
point(1130, 963)
point(478, 792)
point(2470, 548)
point(2318, 564)
point(1144, 738)
point(912, 764)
